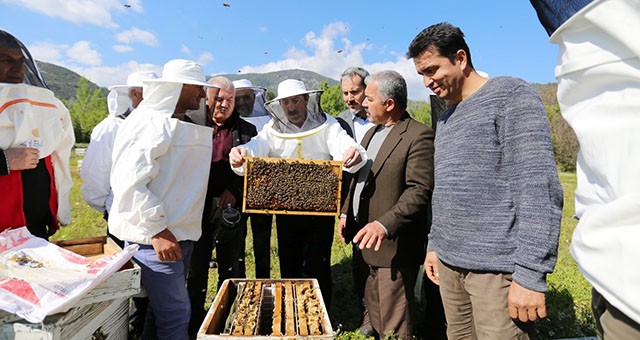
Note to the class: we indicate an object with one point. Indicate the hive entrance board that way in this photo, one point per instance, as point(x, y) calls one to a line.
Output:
point(292, 186)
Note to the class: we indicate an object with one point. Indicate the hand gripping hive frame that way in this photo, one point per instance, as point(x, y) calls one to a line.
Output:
point(292, 186)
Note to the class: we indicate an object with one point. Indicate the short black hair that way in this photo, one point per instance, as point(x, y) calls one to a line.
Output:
point(444, 37)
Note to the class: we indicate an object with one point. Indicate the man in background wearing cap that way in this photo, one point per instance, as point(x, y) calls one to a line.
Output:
point(250, 105)
point(36, 137)
point(224, 187)
point(300, 129)
point(96, 165)
point(158, 182)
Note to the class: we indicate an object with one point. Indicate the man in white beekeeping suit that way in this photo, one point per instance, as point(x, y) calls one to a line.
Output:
point(159, 181)
point(96, 164)
point(300, 129)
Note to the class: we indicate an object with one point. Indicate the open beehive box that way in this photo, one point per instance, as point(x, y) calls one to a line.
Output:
point(123, 283)
point(102, 313)
point(292, 186)
point(267, 309)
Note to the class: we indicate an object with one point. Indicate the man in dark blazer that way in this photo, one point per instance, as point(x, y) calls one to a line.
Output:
point(354, 121)
point(388, 206)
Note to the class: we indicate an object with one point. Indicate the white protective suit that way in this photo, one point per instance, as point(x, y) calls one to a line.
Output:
point(160, 170)
point(328, 141)
point(32, 116)
point(96, 165)
point(599, 95)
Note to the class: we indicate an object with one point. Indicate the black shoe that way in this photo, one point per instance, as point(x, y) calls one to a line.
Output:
point(367, 331)
point(365, 327)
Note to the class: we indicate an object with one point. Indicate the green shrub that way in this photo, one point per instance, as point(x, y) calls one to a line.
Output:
point(565, 142)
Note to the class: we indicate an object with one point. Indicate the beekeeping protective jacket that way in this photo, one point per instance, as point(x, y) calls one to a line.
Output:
point(32, 116)
point(160, 170)
point(599, 95)
point(320, 137)
point(96, 164)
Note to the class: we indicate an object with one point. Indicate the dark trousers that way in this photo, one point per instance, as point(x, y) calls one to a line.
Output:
point(390, 300)
point(611, 322)
point(304, 249)
point(261, 230)
point(360, 272)
point(118, 241)
point(228, 255)
point(435, 323)
point(164, 281)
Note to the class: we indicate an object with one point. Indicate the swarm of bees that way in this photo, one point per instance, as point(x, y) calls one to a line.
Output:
point(292, 186)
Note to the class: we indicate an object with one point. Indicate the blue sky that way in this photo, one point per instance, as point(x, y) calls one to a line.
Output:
point(104, 40)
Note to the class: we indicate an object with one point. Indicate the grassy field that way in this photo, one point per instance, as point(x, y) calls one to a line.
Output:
point(568, 299)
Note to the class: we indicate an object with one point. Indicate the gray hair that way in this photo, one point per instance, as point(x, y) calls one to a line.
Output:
point(355, 71)
point(390, 85)
point(222, 82)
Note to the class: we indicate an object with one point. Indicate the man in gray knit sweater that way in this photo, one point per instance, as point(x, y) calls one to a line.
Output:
point(497, 200)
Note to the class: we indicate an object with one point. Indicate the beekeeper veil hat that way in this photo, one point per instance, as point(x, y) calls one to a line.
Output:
point(258, 103)
point(31, 73)
point(296, 109)
point(119, 100)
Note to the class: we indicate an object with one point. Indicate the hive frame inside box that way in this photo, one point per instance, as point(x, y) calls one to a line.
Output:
point(122, 284)
point(335, 165)
point(221, 306)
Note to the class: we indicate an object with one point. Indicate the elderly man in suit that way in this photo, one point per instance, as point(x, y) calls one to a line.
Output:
point(389, 203)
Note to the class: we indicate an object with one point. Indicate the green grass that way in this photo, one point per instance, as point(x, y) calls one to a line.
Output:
point(569, 295)
point(568, 299)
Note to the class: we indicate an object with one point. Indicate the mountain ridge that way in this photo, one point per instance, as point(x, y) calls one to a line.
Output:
point(64, 82)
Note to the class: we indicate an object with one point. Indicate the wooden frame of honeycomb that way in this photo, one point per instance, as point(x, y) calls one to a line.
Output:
point(267, 309)
point(292, 186)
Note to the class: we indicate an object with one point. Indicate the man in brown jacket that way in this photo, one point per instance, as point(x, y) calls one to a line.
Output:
point(390, 202)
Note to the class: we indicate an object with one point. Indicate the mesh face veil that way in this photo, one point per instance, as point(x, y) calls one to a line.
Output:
point(31, 73)
point(285, 118)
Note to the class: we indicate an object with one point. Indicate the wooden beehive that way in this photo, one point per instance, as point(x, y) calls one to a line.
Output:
point(102, 313)
point(123, 283)
point(292, 186)
point(267, 309)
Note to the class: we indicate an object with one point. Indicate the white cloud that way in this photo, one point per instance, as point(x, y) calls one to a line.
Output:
point(136, 35)
point(263, 29)
point(204, 58)
point(83, 60)
point(80, 11)
point(122, 48)
point(331, 52)
point(113, 75)
point(81, 52)
point(49, 52)
point(184, 49)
